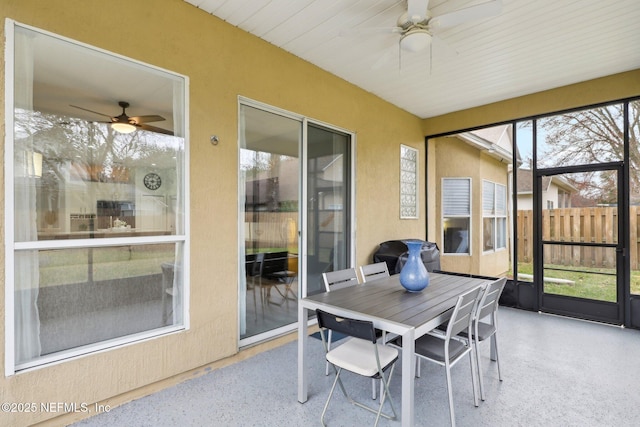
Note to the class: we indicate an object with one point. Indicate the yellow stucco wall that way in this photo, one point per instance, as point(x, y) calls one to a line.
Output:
point(222, 63)
point(457, 159)
point(453, 158)
point(490, 263)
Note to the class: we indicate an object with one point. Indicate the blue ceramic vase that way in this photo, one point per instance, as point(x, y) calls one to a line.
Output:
point(414, 276)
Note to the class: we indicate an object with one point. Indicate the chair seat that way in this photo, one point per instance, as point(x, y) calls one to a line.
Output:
point(357, 355)
point(485, 330)
point(432, 348)
point(283, 275)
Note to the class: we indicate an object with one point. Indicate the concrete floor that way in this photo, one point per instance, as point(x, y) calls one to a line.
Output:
point(557, 372)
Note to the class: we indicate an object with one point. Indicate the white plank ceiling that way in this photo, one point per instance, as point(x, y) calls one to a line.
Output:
point(530, 46)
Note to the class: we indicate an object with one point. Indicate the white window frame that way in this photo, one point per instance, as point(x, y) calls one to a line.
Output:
point(494, 214)
point(409, 201)
point(11, 246)
point(445, 215)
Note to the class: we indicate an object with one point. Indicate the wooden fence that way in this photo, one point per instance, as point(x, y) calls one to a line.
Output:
point(271, 229)
point(592, 225)
point(589, 225)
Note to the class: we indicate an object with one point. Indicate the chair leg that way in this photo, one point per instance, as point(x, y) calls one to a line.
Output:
point(333, 387)
point(417, 367)
point(329, 338)
point(494, 339)
point(262, 293)
point(383, 395)
point(450, 394)
point(472, 362)
point(373, 388)
point(479, 367)
point(255, 302)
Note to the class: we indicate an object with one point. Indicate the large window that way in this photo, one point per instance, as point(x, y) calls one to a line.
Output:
point(95, 206)
point(494, 216)
point(456, 214)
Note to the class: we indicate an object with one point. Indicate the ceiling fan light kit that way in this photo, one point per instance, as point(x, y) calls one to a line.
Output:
point(415, 40)
point(123, 127)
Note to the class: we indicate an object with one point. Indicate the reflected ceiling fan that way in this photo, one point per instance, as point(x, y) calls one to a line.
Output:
point(125, 124)
point(418, 28)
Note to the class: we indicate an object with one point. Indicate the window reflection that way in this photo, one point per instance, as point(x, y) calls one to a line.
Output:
point(92, 182)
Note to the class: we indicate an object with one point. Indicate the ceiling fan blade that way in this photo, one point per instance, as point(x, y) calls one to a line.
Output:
point(369, 30)
point(155, 129)
point(417, 10)
point(443, 50)
point(146, 119)
point(385, 57)
point(91, 111)
point(479, 11)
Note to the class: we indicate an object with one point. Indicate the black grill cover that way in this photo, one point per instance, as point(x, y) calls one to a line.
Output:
point(396, 252)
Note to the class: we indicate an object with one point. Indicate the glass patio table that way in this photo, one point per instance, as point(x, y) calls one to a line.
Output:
point(392, 309)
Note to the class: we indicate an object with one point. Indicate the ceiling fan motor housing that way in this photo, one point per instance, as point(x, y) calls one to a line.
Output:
point(123, 118)
point(415, 35)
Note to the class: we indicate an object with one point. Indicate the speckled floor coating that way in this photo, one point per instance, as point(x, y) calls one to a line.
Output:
point(557, 372)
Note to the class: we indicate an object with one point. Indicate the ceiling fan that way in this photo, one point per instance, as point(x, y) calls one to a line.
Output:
point(417, 27)
point(125, 124)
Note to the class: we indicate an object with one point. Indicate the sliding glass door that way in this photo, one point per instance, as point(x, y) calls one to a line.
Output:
point(269, 176)
point(328, 243)
point(292, 172)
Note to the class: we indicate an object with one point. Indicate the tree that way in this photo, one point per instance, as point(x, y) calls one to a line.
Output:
point(591, 136)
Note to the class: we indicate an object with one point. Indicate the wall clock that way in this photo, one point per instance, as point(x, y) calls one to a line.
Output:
point(152, 181)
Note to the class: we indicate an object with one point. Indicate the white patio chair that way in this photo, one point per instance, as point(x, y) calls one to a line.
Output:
point(361, 355)
point(375, 271)
point(481, 331)
point(446, 350)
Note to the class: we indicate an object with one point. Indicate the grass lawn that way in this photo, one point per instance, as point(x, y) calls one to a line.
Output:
point(66, 266)
point(592, 283)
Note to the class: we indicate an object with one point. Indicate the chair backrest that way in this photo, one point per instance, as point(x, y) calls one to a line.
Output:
point(355, 328)
point(256, 267)
point(490, 298)
point(274, 262)
point(462, 312)
point(340, 279)
point(374, 271)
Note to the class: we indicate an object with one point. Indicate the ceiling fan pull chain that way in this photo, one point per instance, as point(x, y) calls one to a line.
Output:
point(430, 58)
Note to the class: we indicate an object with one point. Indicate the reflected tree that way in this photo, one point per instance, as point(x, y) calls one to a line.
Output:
point(75, 152)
